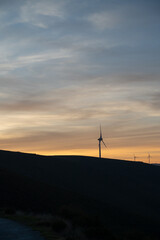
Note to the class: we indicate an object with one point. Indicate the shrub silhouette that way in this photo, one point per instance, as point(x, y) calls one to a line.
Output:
point(10, 211)
point(44, 223)
point(79, 217)
point(58, 225)
point(99, 233)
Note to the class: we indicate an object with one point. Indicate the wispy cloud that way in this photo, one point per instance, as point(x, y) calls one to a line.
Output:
point(23, 61)
point(104, 20)
point(33, 12)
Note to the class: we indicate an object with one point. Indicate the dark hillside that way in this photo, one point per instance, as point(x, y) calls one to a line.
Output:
point(125, 194)
point(23, 193)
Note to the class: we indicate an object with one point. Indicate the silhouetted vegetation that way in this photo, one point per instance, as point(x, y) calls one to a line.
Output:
point(58, 225)
point(99, 232)
point(10, 211)
point(79, 217)
point(43, 223)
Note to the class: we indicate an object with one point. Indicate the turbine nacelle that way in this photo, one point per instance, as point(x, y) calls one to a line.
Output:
point(100, 139)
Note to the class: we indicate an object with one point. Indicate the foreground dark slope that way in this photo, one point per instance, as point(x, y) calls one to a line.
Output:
point(123, 193)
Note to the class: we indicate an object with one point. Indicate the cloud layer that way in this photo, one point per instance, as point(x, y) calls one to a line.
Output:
point(67, 66)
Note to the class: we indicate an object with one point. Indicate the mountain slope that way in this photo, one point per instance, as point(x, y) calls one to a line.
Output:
point(122, 192)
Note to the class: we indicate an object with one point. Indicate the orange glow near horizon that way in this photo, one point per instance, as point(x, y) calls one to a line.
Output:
point(116, 153)
point(121, 154)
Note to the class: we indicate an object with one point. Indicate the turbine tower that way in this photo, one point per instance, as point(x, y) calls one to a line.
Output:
point(100, 139)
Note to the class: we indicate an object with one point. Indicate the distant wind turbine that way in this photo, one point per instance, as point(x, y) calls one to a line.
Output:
point(134, 157)
point(149, 158)
point(100, 139)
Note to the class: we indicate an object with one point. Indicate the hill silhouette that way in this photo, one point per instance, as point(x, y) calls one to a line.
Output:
point(124, 194)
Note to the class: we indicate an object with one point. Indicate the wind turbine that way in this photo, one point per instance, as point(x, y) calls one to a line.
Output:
point(149, 158)
point(134, 157)
point(100, 139)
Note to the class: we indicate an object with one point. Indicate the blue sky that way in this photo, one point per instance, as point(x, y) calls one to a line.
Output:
point(67, 66)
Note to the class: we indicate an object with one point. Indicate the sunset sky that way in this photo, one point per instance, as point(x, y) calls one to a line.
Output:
point(67, 66)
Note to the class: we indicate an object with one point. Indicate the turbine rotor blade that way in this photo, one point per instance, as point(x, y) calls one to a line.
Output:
point(104, 144)
point(100, 132)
